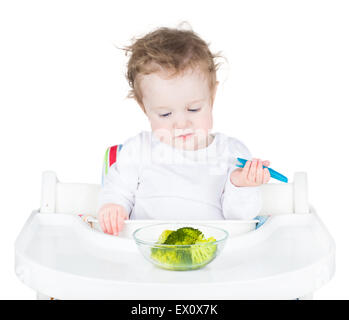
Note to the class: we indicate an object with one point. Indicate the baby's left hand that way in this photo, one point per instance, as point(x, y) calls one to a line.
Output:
point(252, 174)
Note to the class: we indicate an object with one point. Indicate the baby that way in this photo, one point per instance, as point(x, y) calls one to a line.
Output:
point(179, 170)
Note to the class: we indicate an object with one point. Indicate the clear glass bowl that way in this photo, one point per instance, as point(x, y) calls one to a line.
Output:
point(179, 257)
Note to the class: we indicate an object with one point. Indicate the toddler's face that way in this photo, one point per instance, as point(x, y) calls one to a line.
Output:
point(179, 109)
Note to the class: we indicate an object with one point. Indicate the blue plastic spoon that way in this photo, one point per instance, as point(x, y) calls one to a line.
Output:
point(274, 174)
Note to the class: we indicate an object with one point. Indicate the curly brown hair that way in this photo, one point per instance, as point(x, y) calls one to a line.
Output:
point(170, 49)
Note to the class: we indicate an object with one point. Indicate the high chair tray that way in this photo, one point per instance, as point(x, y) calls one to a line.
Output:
point(58, 255)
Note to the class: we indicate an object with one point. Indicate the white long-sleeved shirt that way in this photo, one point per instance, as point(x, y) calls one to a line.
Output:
point(153, 180)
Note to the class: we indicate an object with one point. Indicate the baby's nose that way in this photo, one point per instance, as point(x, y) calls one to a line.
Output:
point(181, 123)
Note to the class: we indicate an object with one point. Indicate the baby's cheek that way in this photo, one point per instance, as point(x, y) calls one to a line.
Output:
point(205, 123)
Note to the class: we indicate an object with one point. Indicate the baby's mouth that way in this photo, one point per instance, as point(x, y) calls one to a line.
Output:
point(184, 136)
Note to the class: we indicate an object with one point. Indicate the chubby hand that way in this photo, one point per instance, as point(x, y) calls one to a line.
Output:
point(111, 218)
point(252, 174)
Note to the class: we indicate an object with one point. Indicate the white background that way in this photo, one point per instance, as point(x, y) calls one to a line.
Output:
point(283, 92)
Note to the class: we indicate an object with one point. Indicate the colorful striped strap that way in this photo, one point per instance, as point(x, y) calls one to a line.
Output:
point(111, 156)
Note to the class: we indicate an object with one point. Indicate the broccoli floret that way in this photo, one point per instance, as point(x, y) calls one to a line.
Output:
point(195, 233)
point(183, 236)
point(164, 235)
point(186, 256)
point(172, 257)
point(204, 253)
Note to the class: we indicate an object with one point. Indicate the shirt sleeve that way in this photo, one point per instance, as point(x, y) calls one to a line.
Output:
point(241, 203)
point(121, 181)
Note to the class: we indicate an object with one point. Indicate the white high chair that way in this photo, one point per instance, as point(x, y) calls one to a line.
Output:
point(58, 255)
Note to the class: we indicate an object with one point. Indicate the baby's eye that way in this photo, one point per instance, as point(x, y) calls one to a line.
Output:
point(165, 114)
point(194, 110)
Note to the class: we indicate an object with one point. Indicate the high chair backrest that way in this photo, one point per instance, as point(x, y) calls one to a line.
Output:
point(81, 198)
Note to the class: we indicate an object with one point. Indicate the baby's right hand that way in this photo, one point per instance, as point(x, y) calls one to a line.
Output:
point(111, 218)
